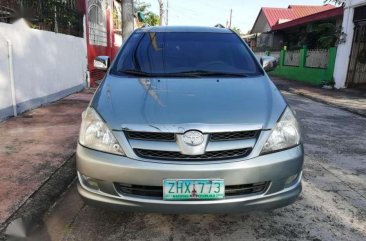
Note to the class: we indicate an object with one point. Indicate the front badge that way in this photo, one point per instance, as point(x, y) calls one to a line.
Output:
point(193, 138)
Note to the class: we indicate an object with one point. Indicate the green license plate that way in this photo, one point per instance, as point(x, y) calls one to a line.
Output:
point(183, 189)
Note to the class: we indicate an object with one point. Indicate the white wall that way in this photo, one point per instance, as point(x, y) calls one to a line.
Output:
point(344, 49)
point(261, 24)
point(46, 66)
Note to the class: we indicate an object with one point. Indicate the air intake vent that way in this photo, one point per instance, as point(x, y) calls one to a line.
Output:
point(213, 155)
point(230, 136)
point(150, 136)
point(157, 191)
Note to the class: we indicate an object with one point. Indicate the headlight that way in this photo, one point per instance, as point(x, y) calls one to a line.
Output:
point(95, 134)
point(285, 135)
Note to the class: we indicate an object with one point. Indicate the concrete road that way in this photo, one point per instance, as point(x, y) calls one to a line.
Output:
point(332, 205)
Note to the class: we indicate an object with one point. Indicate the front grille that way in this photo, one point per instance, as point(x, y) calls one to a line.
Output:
point(229, 136)
point(150, 136)
point(212, 155)
point(157, 191)
point(218, 136)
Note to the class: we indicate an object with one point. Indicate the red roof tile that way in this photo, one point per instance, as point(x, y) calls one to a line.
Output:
point(331, 13)
point(273, 15)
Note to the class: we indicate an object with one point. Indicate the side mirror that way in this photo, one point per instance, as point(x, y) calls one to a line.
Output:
point(101, 62)
point(268, 63)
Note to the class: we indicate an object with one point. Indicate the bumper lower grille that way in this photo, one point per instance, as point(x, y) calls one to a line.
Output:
point(213, 155)
point(157, 191)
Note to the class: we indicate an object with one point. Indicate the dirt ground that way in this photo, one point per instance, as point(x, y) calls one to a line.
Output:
point(33, 146)
point(332, 205)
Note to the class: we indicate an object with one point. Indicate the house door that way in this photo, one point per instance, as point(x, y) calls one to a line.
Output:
point(356, 76)
point(357, 68)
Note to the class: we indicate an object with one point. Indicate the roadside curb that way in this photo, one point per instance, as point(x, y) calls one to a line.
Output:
point(33, 209)
point(314, 98)
point(323, 96)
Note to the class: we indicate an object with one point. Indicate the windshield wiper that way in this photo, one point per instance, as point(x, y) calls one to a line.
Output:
point(136, 72)
point(206, 73)
point(194, 73)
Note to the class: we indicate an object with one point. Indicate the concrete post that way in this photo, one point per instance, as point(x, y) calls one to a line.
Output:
point(11, 74)
point(302, 62)
point(331, 63)
point(344, 49)
point(282, 57)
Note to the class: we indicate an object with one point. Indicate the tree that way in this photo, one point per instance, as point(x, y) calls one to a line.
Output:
point(237, 30)
point(127, 18)
point(58, 16)
point(336, 2)
point(328, 35)
point(151, 18)
point(321, 36)
point(161, 12)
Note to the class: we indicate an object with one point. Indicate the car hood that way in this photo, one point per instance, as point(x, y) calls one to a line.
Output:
point(125, 101)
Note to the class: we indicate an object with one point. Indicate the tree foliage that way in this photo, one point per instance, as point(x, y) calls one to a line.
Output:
point(328, 35)
point(52, 15)
point(336, 2)
point(151, 18)
point(237, 30)
point(320, 35)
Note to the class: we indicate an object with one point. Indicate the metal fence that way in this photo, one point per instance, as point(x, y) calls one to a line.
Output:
point(97, 34)
point(317, 58)
point(292, 58)
point(276, 54)
point(59, 16)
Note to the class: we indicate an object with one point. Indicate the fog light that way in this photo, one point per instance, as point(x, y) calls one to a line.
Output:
point(89, 181)
point(291, 179)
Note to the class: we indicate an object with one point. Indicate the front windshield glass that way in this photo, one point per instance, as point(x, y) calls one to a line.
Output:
point(182, 54)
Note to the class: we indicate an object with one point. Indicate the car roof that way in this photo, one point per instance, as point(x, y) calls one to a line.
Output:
point(181, 29)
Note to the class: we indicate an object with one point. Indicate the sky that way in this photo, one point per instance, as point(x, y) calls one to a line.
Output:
point(212, 12)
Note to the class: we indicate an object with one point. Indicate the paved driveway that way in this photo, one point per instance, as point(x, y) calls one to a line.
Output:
point(332, 205)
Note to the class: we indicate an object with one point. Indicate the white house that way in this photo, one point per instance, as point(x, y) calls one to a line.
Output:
point(350, 66)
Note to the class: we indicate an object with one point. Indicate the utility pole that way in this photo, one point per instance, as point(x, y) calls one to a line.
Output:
point(161, 12)
point(167, 13)
point(231, 16)
point(127, 19)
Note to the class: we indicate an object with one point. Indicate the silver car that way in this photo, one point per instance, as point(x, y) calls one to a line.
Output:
point(187, 120)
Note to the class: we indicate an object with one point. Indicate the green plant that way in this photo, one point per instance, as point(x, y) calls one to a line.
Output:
point(236, 30)
point(328, 35)
point(52, 15)
point(151, 18)
point(336, 2)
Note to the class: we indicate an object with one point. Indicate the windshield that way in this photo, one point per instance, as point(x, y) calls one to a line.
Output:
point(185, 54)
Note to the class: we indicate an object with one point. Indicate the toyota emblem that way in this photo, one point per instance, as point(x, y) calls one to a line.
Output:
point(193, 138)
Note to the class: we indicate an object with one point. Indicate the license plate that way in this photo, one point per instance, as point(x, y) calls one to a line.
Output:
point(182, 189)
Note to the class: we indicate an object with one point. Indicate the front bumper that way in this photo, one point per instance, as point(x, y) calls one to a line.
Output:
point(107, 169)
